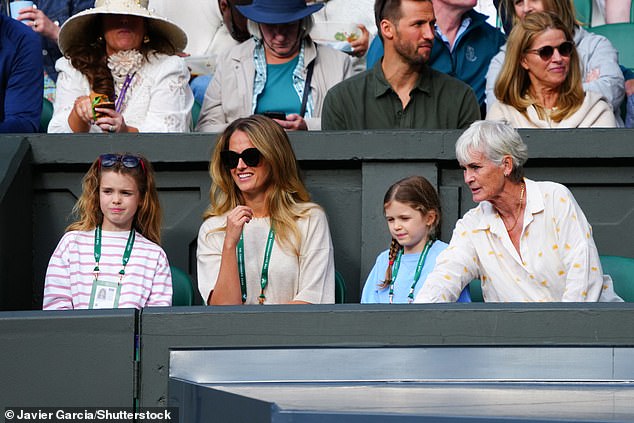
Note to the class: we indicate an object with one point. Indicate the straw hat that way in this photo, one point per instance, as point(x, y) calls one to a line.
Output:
point(74, 29)
point(278, 11)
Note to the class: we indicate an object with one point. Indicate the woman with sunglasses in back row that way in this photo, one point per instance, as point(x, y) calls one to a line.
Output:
point(598, 59)
point(262, 240)
point(540, 82)
point(110, 257)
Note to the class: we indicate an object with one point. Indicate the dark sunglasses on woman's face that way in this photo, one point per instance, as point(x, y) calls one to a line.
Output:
point(546, 52)
point(250, 157)
point(129, 161)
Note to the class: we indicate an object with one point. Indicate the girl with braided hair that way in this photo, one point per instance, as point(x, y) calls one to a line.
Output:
point(412, 212)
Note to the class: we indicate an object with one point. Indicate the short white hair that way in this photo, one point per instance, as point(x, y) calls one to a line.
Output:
point(494, 139)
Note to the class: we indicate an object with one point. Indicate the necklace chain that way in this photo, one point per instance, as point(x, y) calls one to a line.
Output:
point(519, 208)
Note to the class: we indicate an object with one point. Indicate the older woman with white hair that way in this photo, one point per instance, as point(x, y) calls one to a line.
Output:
point(526, 240)
point(281, 72)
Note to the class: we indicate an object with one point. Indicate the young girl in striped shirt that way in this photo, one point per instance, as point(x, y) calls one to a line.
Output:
point(110, 257)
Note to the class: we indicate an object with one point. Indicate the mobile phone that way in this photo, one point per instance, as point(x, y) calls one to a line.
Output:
point(105, 105)
point(275, 115)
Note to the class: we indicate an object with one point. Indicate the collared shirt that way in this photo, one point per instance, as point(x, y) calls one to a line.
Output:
point(367, 101)
point(259, 58)
point(464, 24)
point(468, 59)
point(557, 258)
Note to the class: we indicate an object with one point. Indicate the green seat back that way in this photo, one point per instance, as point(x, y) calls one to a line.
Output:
point(340, 288)
point(476, 291)
point(621, 269)
point(182, 287)
point(195, 113)
point(621, 35)
point(583, 12)
point(47, 114)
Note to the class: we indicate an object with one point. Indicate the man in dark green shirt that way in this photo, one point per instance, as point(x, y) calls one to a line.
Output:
point(401, 91)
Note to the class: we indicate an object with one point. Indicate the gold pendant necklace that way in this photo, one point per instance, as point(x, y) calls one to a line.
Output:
point(519, 209)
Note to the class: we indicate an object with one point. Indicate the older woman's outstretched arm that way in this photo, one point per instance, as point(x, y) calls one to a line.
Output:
point(455, 267)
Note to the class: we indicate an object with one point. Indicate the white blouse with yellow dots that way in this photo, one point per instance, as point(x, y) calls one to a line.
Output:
point(558, 260)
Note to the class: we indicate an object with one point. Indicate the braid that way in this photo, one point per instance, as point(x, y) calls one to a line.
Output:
point(394, 248)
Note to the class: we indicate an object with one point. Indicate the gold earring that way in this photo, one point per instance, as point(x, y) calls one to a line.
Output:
point(146, 39)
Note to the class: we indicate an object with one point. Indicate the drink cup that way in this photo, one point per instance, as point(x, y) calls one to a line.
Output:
point(336, 34)
point(16, 6)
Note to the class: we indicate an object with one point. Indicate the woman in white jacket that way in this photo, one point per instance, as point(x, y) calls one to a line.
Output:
point(123, 54)
point(540, 82)
point(281, 72)
point(598, 59)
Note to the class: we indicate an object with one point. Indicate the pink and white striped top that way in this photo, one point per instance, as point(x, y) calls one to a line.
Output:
point(69, 277)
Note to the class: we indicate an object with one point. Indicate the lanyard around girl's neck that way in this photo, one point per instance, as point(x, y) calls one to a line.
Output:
point(264, 277)
point(419, 269)
point(126, 252)
point(124, 89)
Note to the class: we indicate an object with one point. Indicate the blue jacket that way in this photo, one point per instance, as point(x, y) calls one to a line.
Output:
point(470, 58)
point(471, 55)
point(21, 80)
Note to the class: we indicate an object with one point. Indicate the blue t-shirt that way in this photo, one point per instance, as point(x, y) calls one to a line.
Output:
point(372, 293)
point(279, 94)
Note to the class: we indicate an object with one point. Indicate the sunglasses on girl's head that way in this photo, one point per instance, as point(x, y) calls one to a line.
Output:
point(250, 157)
point(110, 160)
point(546, 52)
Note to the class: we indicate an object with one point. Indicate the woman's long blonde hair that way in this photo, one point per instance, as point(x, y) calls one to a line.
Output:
point(287, 196)
point(512, 86)
point(147, 220)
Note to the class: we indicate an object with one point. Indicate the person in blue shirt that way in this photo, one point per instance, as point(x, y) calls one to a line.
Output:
point(464, 46)
point(412, 212)
point(21, 81)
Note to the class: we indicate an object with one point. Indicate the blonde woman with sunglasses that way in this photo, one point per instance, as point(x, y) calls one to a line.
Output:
point(262, 241)
point(600, 71)
point(540, 82)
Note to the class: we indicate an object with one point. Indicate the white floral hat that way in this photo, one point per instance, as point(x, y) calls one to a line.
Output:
point(74, 29)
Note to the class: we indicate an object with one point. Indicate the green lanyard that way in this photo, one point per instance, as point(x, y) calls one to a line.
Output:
point(126, 252)
point(264, 278)
point(419, 269)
